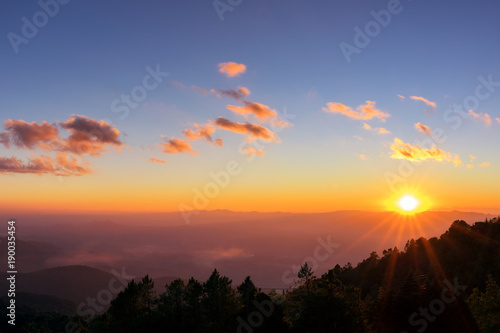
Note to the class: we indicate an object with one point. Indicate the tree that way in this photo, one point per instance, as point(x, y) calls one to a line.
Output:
point(248, 293)
point(485, 307)
point(219, 303)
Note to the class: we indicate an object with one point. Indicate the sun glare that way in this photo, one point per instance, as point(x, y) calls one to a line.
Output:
point(408, 203)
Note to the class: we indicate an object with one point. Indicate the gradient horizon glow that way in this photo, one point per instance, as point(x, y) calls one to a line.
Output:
point(160, 106)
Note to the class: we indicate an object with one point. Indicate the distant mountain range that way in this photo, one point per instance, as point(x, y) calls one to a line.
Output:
point(264, 245)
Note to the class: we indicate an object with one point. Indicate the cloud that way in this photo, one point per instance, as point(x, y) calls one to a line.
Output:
point(362, 112)
point(411, 152)
point(204, 91)
point(176, 146)
point(62, 165)
point(401, 97)
point(28, 135)
point(431, 105)
point(5, 139)
point(260, 111)
point(456, 160)
point(88, 136)
point(470, 166)
point(178, 84)
point(423, 128)
point(485, 164)
point(231, 69)
point(498, 120)
point(380, 130)
point(239, 93)
point(253, 151)
point(472, 157)
point(251, 130)
point(484, 117)
point(157, 160)
point(202, 132)
point(363, 157)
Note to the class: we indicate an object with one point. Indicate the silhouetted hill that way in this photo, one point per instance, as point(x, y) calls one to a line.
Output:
point(73, 283)
point(44, 303)
point(32, 254)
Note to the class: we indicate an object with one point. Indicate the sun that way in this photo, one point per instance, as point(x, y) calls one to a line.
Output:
point(408, 203)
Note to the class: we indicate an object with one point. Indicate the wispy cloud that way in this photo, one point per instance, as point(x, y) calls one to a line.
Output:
point(481, 116)
point(204, 91)
point(485, 164)
point(238, 94)
point(363, 112)
point(176, 146)
point(231, 69)
point(431, 106)
point(253, 151)
point(157, 160)
point(423, 128)
point(252, 131)
point(62, 165)
point(402, 150)
point(202, 132)
point(379, 130)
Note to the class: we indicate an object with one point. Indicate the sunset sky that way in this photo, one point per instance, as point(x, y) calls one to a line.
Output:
point(304, 106)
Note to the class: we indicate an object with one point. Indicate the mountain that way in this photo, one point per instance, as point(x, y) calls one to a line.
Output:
point(267, 246)
point(44, 303)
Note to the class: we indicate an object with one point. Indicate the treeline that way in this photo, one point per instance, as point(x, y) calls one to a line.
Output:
point(445, 284)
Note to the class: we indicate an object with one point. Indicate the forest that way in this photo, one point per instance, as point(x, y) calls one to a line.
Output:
point(445, 284)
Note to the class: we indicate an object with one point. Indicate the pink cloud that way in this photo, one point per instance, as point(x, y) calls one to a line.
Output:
point(231, 69)
point(431, 105)
point(363, 112)
point(202, 132)
point(176, 146)
point(481, 116)
point(402, 150)
point(251, 130)
point(157, 160)
point(28, 135)
point(253, 151)
point(423, 128)
point(62, 165)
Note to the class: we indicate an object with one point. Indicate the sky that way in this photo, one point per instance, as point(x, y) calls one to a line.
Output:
point(249, 105)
